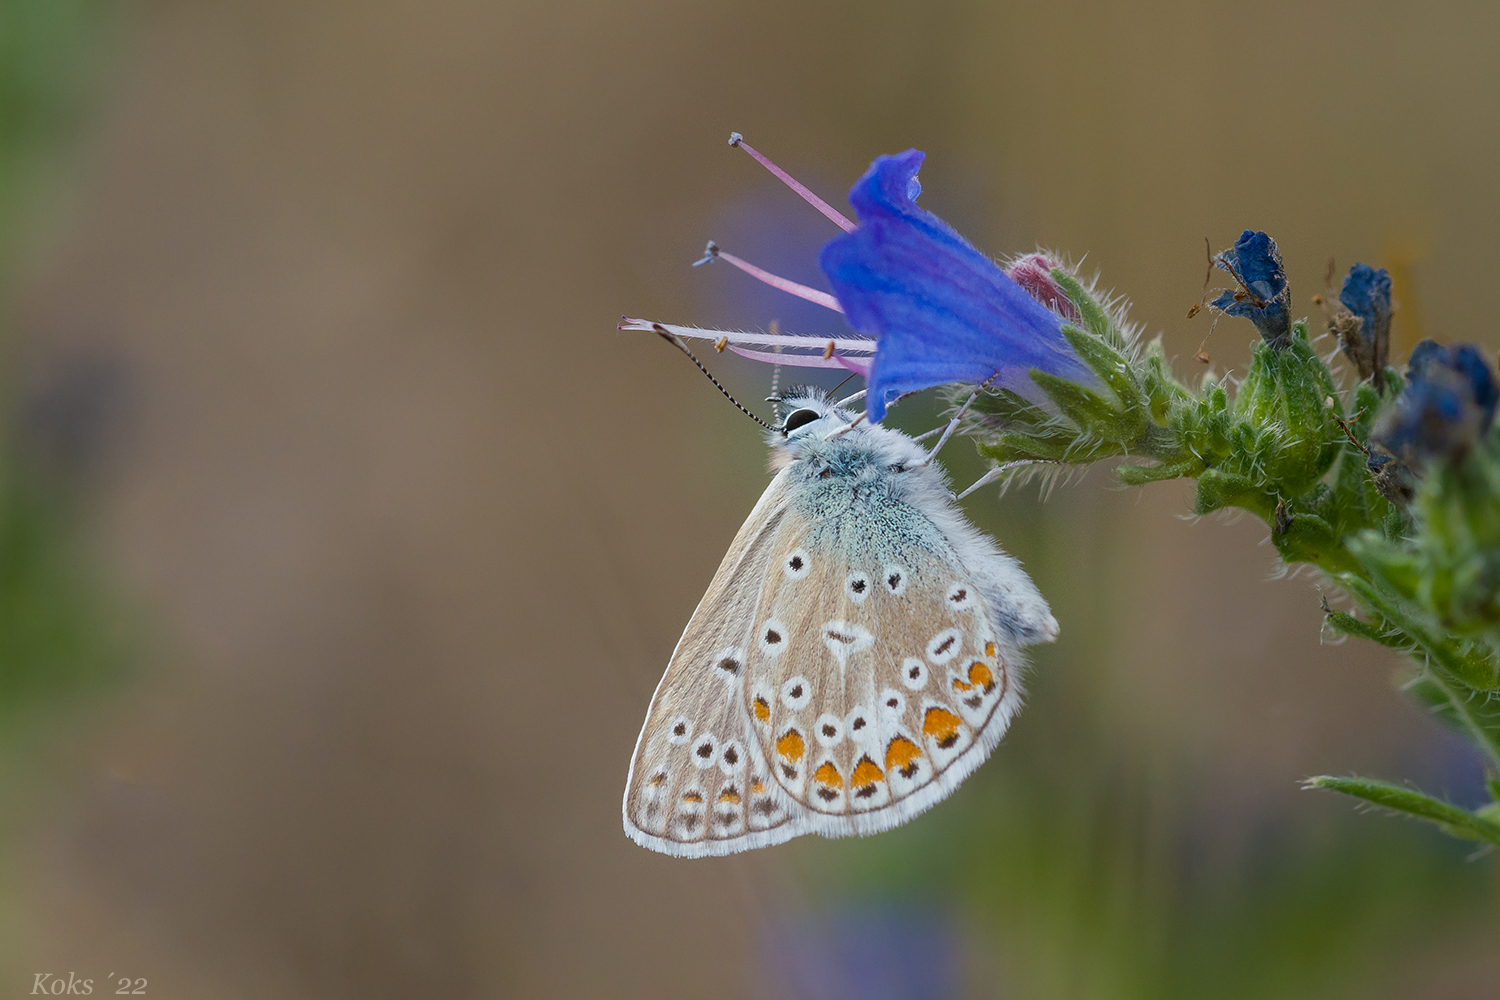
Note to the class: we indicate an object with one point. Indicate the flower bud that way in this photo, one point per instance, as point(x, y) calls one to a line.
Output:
point(1033, 272)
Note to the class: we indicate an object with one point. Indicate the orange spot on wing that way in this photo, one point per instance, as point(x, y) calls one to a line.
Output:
point(730, 795)
point(989, 650)
point(902, 756)
point(762, 709)
point(827, 774)
point(942, 725)
point(757, 787)
point(691, 797)
point(866, 772)
point(790, 745)
point(980, 676)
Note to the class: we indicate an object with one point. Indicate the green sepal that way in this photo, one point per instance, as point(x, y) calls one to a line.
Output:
point(1019, 445)
point(1161, 388)
point(1091, 412)
point(1218, 489)
point(1111, 366)
point(1455, 821)
point(1140, 475)
point(1471, 667)
point(1010, 407)
point(1094, 316)
point(1311, 539)
point(1347, 624)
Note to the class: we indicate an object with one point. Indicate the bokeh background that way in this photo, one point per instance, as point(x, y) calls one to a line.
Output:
point(343, 540)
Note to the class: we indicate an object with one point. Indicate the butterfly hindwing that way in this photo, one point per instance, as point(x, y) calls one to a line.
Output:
point(885, 663)
point(698, 782)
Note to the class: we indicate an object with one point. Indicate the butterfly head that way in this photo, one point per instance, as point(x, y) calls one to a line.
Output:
point(810, 415)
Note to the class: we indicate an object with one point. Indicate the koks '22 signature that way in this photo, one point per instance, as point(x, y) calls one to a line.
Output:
point(50, 984)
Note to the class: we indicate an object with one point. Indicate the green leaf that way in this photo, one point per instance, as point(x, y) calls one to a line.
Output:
point(1455, 821)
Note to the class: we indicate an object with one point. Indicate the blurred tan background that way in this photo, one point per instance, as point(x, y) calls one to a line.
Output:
point(409, 530)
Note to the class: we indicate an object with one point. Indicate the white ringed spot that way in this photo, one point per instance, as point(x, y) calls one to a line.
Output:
point(914, 673)
point(857, 585)
point(732, 757)
point(772, 638)
point(945, 645)
point(844, 639)
point(680, 730)
point(796, 565)
point(893, 579)
point(859, 724)
point(960, 597)
point(729, 663)
point(892, 703)
point(796, 693)
point(828, 730)
point(705, 750)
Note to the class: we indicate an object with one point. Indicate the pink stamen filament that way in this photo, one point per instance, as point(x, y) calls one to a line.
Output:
point(774, 280)
point(833, 215)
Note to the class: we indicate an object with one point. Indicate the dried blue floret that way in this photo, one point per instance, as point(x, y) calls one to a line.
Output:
point(1448, 405)
point(1263, 296)
point(1367, 296)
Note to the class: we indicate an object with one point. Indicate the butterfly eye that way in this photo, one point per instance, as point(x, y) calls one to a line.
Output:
point(799, 418)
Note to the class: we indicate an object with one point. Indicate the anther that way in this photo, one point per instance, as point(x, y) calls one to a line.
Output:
point(832, 214)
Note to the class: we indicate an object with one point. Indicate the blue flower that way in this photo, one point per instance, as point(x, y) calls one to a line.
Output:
point(1263, 296)
point(1367, 294)
point(1447, 406)
point(941, 310)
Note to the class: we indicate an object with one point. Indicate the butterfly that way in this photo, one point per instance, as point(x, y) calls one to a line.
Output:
point(856, 656)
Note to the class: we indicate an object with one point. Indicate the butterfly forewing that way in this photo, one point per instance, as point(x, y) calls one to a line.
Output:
point(698, 781)
point(878, 677)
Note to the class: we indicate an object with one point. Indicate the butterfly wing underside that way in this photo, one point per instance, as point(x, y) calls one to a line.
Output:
point(884, 666)
point(698, 780)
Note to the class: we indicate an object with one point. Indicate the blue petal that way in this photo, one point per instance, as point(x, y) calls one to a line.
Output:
point(943, 312)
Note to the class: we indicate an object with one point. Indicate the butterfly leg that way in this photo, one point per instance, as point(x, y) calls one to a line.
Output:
point(992, 475)
point(953, 424)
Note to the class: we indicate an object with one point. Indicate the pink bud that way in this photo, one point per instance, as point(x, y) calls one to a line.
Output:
point(1033, 272)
